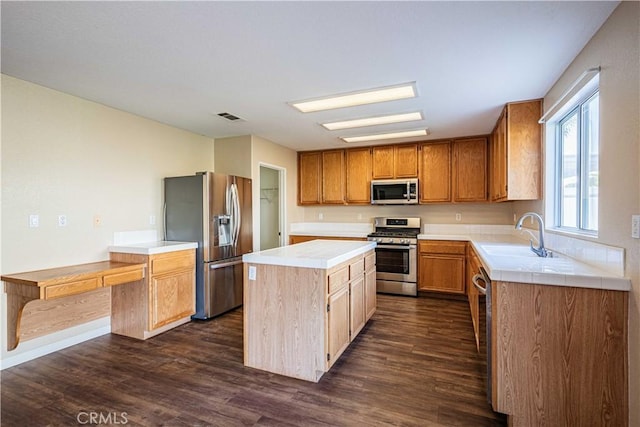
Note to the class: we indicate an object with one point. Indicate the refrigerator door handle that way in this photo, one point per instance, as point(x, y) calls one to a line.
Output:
point(236, 213)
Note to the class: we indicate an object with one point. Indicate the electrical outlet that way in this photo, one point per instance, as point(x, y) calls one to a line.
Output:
point(62, 220)
point(97, 221)
point(458, 217)
point(320, 216)
point(635, 226)
point(34, 221)
point(152, 220)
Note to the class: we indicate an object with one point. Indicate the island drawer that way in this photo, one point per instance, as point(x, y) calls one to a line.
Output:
point(356, 268)
point(338, 279)
point(370, 260)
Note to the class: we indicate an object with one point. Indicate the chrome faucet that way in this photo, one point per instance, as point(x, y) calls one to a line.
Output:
point(541, 251)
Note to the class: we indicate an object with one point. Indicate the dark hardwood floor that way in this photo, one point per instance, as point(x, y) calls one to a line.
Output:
point(414, 364)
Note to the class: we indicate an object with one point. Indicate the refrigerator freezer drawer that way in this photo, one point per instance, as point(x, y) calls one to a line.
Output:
point(223, 287)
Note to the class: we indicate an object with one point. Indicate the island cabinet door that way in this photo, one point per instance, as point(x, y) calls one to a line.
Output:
point(357, 304)
point(338, 324)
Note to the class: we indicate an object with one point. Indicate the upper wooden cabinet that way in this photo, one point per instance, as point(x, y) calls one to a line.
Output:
point(516, 153)
point(395, 161)
point(321, 177)
point(333, 177)
point(435, 172)
point(309, 178)
point(454, 171)
point(469, 178)
point(358, 175)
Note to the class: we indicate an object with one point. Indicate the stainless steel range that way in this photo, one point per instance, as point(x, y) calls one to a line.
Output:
point(396, 254)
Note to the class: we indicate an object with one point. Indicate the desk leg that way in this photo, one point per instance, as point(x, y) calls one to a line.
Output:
point(18, 296)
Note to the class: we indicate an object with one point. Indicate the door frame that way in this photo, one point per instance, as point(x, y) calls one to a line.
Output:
point(282, 200)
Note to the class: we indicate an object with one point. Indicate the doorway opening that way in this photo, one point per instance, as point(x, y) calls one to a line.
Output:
point(272, 199)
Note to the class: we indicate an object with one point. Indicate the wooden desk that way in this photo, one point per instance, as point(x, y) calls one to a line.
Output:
point(50, 284)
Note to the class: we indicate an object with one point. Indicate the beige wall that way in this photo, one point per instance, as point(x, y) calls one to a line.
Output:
point(471, 213)
point(62, 155)
point(615, 47)
point(234, 156)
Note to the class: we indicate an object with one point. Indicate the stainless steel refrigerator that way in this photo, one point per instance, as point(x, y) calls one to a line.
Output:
point(215, 211)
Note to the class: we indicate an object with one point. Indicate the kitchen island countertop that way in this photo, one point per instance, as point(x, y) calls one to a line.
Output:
point(313, 254)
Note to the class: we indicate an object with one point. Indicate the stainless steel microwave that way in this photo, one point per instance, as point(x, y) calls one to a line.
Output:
point(394, 191)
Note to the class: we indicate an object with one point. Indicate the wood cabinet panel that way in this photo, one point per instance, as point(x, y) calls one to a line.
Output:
point(338, 279)
point(358, 175)
point(452, 247)
point(559, 354)
point(171, 261)
point(333, 177)
point(470, 170)
point(338, 324)
point(383, 162)
point(70, 288)
point(441, 273)
point(162, 300)
point(370, 291)
point(357, 307)
point(516, 152)
point(406, 161)
point(435, 172)
point(441, 266)
point(172, 297)
point(395, 161)
point(310, 178)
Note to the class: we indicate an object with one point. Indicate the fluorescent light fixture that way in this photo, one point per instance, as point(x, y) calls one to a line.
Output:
point(388, 93)
point(375, 137)
point(372, 121)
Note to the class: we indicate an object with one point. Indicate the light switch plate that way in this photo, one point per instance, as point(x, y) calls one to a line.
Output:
point(635, 226)
point(34, 221)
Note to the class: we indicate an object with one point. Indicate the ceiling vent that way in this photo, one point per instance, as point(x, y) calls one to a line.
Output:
point(229, 117)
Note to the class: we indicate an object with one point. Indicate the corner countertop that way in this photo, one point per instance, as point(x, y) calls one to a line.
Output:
point(322, 254)
point(152, 248)
point(507, 257)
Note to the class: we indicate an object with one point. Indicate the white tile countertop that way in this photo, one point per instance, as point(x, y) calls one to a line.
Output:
point(314, 254)
point(506, 256)
point(152, 248)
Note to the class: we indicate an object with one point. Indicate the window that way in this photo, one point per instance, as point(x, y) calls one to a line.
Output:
point(576, 178)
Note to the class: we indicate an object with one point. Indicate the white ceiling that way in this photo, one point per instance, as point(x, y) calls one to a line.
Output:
point(181, 63)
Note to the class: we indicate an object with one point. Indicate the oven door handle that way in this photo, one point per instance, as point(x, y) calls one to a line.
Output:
point(402, 247)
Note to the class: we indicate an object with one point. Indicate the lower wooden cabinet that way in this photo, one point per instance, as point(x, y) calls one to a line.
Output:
point(559, 355)
point(321, 311)
point(171, 297)
point(338, 323)
point(161, 301)
point(473, 294)
point(441, 266)
point(370, 286)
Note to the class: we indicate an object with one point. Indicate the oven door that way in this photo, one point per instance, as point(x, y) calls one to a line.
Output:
point(396, 263)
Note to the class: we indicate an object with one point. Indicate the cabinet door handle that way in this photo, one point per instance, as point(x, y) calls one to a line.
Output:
point(475, 280)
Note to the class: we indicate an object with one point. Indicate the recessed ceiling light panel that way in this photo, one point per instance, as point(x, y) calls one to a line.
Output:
point(373, 121)
point(391, 135)
point(383, 94)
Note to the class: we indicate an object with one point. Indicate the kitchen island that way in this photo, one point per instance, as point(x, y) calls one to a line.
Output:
point(304, 304)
